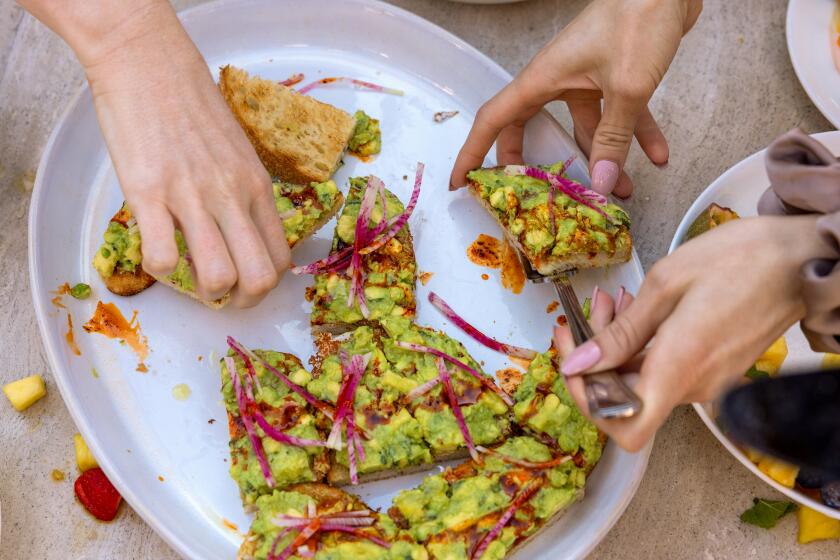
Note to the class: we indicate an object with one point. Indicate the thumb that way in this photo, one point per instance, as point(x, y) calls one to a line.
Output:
point(613, 137)
point(622, 339)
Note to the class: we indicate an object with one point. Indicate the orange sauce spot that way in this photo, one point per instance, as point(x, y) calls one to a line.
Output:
point(57, 302)
point(58, 292)
point(513, 276)
point(71, 341)
point(360, 157)
point(485, 277)
point(485, 251)
point(425, 277)
point(160, 478)
point(200, 358)
point(108, 321)
point(552, 307)
point(230, 524)
point(141, 367)
point(561, 320)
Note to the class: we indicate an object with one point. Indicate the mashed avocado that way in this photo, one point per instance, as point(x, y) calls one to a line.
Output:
point(555, 413)
point(521, 202)
point(120, 249)
point(182, 276)
point(289, 464)
point(302, 212)
point(389, 273)
point(367, 138)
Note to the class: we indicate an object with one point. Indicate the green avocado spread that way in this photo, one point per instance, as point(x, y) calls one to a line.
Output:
point(120, 249)
point(521, 203)
point(300, 211)
point(389, 273)
point(447, 508)
point(544, 406)
point(287, 412)
point(367, 138)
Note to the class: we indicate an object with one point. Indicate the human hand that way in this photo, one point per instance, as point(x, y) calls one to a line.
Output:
point(707, 312)
point(618, 50)
point(182, 159)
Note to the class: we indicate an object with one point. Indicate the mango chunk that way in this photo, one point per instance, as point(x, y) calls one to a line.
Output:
point(781, 472)
point(772, 359)
point(84, 458)
point(831, 361)
point(815, 526)
point(23, 393)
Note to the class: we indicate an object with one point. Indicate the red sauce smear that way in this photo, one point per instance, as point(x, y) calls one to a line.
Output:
point(485, 251)
point(425, 277)
point(513, 276)
point(71, 341)
point(108, 321)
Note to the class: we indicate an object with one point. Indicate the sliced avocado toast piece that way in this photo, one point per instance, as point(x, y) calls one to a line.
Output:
point(304, 209)
point(580, 230)
point(405, 434)
point(389, 273)
point(713, 216)
point(284, 411)
point(488, 509)
point(371, 537)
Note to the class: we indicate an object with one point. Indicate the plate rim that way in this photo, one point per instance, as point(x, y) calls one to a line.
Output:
point(177, 542)
point(831, 114)
point(699, 203)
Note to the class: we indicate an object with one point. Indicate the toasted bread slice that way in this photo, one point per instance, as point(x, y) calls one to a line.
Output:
point(389, 273)
point(298, 139)
point(124, 283)
point(584, 237)
point(118, 260)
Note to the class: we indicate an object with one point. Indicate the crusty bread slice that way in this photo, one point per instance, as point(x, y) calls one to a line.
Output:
point(298, 139)
point(125, 283)
point(552, 265)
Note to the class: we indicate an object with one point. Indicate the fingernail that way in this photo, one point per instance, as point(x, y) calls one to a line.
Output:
point(581, 359)
point(662, 165)
point(619, 298)
point(604, 176)
point(594, 301)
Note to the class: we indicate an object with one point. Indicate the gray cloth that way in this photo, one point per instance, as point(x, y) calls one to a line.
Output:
point(805, 179)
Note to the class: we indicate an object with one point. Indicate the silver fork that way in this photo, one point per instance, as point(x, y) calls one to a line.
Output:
point(606, 394)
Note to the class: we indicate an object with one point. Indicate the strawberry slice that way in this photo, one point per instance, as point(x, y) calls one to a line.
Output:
point(97, 494)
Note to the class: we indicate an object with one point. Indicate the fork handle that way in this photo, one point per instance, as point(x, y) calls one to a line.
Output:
point(607, 395)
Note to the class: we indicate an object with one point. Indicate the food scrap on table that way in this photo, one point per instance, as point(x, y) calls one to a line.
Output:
point(552, 307)
point(489, 252)
point(366, 140)
point(425, 277)
point(441, 116)
point(108, 321)
point(485, 276)
point(84, 458)
point(57, 475)
point(816, 526)
point(25, 392)
point(160, 478)
point(766, 513)
point(71, 340)
point(97, 494)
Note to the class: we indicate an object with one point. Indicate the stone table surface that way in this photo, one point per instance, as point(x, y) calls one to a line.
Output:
point(730, 91)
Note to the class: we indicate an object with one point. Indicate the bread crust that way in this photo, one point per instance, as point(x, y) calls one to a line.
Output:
point(553, 265)
point(125, 283)
point(294, 115)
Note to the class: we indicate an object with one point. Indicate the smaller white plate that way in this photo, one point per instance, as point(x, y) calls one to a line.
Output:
point(809, 44)
point(739, 188)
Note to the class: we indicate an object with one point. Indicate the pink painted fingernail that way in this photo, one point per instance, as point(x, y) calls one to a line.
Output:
point(594, 301)
point(619, 298)
point(604, 176)
point(581, 359)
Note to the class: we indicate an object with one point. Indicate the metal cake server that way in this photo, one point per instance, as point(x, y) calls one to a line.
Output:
point(607, 395)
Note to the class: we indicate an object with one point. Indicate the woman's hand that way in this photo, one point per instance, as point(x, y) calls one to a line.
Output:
point(617, 50)
point(182, 159)
point(707, 312)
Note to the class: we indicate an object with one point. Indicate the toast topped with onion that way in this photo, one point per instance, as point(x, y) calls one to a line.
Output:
point(557, 223)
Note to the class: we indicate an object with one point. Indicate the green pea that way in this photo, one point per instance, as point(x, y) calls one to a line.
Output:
point(80, 291)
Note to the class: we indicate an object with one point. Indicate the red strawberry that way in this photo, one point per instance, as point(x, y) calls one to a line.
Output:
point(97, 494)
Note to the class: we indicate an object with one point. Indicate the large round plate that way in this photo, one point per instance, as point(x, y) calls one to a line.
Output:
point(134, 426)
point(739, 188)
point(809, 44)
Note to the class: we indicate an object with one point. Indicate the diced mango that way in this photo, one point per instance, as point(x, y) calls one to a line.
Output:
point(781, 472)
point(753, 455)
point(831, 361)
point(84, 458)
point(23, 393)
point(815, 526)
point(772, 359)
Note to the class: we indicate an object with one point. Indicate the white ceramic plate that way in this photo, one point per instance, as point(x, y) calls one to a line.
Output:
point(809, 44)
point(739, 188)
point(134, 426)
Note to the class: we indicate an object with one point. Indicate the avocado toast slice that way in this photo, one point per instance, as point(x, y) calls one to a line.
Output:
point(284, 411)
point(325, 522)
point(389, 273)
point(304, 209)
point(579, 230)
point(405, 427)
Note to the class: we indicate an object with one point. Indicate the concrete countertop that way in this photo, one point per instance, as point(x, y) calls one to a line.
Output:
point(729, 92)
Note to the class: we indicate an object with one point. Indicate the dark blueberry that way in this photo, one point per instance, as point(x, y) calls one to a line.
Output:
point(830, 494)
point(810, 479)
